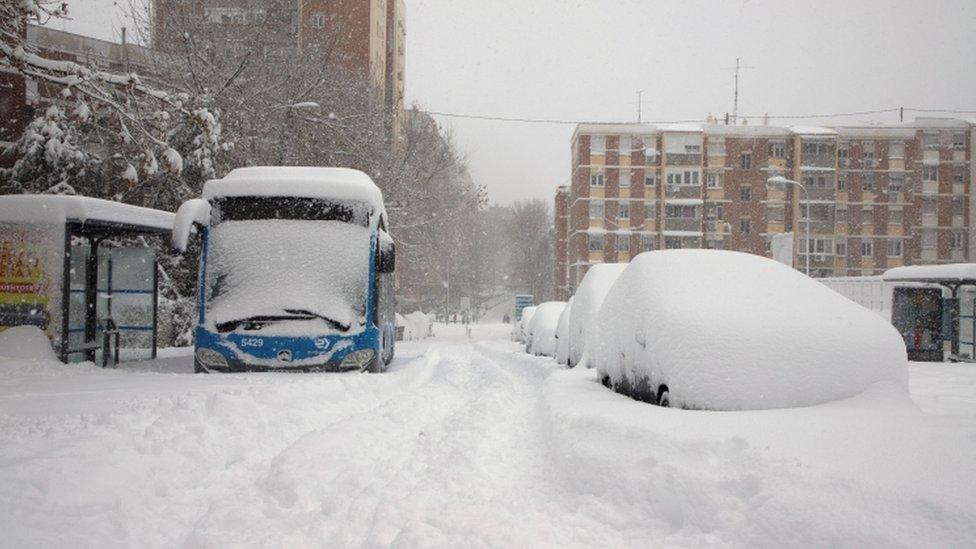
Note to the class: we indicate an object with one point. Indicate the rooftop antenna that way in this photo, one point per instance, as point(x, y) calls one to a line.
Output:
point(735, 97)
point(640, 105)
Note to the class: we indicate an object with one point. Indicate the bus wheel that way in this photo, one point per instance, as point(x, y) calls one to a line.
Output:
point(663, 397)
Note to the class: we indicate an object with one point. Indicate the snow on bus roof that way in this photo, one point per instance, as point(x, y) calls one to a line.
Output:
point(953, 272)
point(57, 209)
point(305, 182)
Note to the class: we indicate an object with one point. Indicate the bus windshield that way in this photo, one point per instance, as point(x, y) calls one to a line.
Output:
point(282, 266)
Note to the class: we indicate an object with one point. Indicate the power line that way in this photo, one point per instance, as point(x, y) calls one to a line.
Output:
point(693, 120)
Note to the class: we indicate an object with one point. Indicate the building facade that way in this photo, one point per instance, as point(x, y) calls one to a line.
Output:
point(877, 196)
point(366, 37)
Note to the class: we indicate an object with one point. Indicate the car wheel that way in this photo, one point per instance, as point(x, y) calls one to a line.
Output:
point(606, 382)
point(664, 398)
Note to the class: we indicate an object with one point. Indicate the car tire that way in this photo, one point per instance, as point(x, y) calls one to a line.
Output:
point(664, 399)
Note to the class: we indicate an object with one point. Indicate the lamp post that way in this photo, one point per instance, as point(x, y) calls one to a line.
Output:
point(286, 127)
point(780, 181)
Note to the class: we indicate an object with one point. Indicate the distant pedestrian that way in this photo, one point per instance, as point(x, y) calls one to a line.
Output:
point(506, 319)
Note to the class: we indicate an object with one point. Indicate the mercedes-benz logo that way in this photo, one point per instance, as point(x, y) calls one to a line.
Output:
point(284, 355)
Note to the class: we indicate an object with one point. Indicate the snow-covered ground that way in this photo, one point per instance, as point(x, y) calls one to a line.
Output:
point(469, 442)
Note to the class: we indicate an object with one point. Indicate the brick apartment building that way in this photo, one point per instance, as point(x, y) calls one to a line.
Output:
point(879, 196)
point(364, 36)
point(22, 99)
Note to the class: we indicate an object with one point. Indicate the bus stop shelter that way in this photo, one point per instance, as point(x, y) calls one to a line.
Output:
point(959, 313)
point(81, 269)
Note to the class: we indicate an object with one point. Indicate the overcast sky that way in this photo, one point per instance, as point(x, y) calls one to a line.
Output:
point(585, 60)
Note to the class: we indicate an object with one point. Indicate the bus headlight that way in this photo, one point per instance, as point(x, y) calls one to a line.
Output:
point(210, 358)
point(357, 360)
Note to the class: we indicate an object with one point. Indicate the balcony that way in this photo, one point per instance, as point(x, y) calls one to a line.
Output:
point(818, 160)
point(930, 220)
point(683, 224)
point(930, 187)
point(683, 191)
point(683, 159)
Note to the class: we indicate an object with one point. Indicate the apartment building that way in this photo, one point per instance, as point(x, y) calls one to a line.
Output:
point(22, 99)
point(876, 196)
point(367, 37)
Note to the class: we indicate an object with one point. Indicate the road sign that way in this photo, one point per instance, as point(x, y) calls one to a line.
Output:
point(521, 302)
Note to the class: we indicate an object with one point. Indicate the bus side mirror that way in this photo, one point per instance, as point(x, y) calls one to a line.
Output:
point(195, 211)
point(387, 258)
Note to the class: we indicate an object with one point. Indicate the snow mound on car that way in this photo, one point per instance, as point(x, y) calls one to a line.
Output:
point(733, 331)
point(586, 305)
point(562, 334)
point(542, 329)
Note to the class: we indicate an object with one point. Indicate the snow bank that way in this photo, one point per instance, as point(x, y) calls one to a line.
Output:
point(522, 325)
point(588, 299)
point(25, 342)
point(733, 331)
point(326, 183)
point(417, 325)
point(541, 335)
point(562, 334)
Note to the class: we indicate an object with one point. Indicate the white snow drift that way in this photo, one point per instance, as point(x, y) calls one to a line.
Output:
point(562, 334)
point(542, 330)
point(586, 304)
point(522, 325)
point(733, 331)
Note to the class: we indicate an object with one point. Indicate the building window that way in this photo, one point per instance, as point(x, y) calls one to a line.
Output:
point(957, 240)
point(623, 243)
point(649, 212)
point(840, 248)
point(777, 149)
point(841, 152)
point(929, 206)
point(817, 246)
point(624, 147)
point(896, 182)
point(745, 161)
point(683, 178)
point(318, 20)
point(598, 144)
point(959, 141)
point(867, 153)
point(959, 175)
point(596, 209)
point(650, 181)
point(745, 194)
point(673, 211)
point(929, 239)
point(625, 178)
point(958, 206)
point(716, 147)
point(842, 182)
point(867, 248)
point(597, 179)
point(930, 140)
point(672, 243)
point(744, 227)
point(895, 217)
point(713, 180)
point(647, 243)
point(624, 210)
point(894, 248)
point(896, 149)
point(868, 182)
point(596, 242)
point(840, 214)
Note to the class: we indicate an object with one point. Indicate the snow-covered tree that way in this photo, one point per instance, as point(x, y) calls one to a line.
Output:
point(51, 157)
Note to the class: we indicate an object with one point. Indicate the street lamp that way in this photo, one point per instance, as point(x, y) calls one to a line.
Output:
point(286, 127)
point(780, 181)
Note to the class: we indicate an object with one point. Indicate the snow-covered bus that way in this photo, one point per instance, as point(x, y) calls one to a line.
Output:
point(296, 271)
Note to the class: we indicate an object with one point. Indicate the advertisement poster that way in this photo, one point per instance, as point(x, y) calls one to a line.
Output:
point(28, 276)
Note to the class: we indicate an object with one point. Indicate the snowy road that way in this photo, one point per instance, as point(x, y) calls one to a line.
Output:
point(470, 443)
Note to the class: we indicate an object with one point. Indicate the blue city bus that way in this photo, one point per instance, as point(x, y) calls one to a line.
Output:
point(296, 272)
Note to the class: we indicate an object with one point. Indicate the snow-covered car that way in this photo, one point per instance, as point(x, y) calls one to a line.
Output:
point(720, 330)
point(586, 305)
point(521, 325)
point(562, 334)
point(541, 334)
